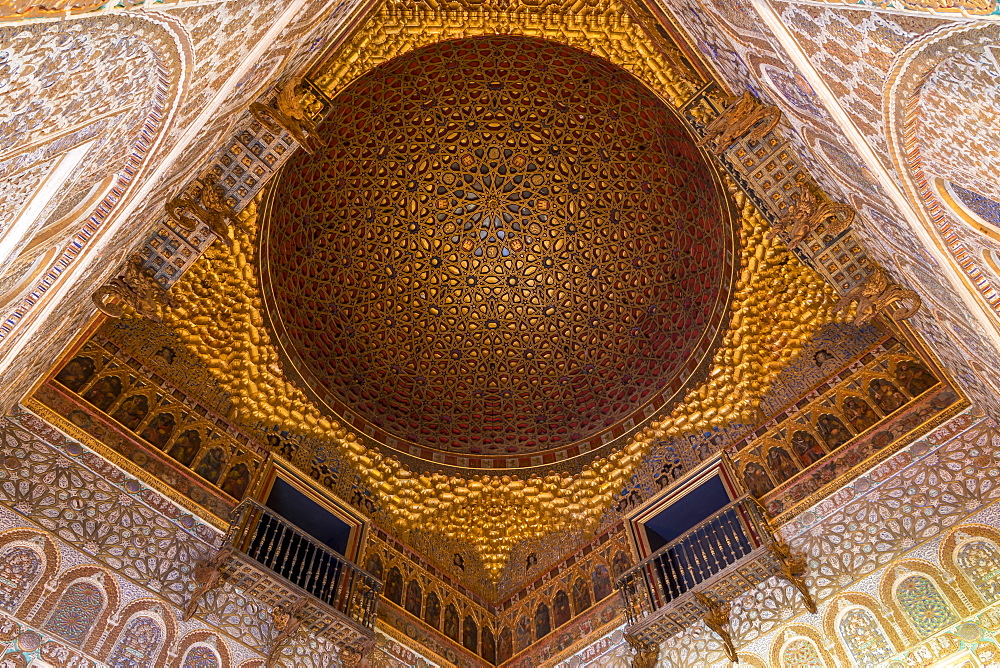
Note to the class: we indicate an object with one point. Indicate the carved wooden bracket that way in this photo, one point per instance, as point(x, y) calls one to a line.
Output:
point(646, 654)
point(207, 575)
point(717, 618)
point(210, 209)
point(877, 294)
point(351, 655)
point(289, 117)
point(287, 622)
point(807, 213)
point(745, 118)
point(135, 287)
point(793, 569)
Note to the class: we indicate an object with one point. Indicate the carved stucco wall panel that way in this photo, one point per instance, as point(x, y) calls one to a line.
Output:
point(218, 40)
point(52, 336)
point(959, 340)
point(734, 40)
point(825, 149)
point(962, 92)
point(100, 80)
point(16, 636)
point(17, 190)
point(899, 514)
point(131, 537)
point(219, 52)
point(917, 118)
point(854, 50)
point(932, 494)
point(104, 85)
point(110, 523)
point(945, 9)
point(222, 36)
point(942, 324)
point(864, 57)
point(110, 81)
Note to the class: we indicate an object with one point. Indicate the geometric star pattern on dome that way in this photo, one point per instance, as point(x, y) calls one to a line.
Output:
point(508, 245)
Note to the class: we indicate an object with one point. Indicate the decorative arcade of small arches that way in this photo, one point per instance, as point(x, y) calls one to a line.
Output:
point(917, 601)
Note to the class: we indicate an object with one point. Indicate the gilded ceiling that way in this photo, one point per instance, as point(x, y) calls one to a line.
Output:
point(502, 308)
point(776, 304)
point(505, 246)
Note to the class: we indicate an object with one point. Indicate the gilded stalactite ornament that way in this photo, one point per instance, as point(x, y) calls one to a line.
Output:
point(289, 116)
point(777, 304)
point(210, 209)
point(514, 274)
point(880, 294)
point(601, 27)
point(745, 118)
point(136, 288)
point(810, 211)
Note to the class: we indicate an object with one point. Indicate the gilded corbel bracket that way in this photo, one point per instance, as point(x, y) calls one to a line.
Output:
point(289, 117)
point(745, 118)
point(646, 653)
point(717, 619)
point(806, 214)
point(877, 294)
point(793, 569)
point(287, 622)
point(210, 209)
point(137, 288)
point(351, 655)
point(207, 575)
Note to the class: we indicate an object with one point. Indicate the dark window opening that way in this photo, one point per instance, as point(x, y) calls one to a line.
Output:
point(696, 536)
point(293, 556)
point(686, 512)
point(309, 516)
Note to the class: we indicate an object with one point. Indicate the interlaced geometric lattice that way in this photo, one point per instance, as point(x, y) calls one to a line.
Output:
point(507, 245)
point(19, 567)
point(76, 612)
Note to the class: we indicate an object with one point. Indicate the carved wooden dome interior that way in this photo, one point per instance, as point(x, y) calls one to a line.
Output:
point(504, 246)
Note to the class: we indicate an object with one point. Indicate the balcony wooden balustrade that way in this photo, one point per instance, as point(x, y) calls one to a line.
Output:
point(696, 577)
point(309, 587)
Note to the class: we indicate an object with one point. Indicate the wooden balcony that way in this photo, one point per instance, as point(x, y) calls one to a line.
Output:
point(309, 587)
point(696, 577)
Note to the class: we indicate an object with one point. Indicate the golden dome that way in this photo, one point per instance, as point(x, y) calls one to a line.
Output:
point(506, 247)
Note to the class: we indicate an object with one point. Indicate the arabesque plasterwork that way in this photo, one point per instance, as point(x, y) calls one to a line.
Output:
point(975, 443)
point(891, 530)
point(201, 70)
point(456, 506)
point(921, 531)
point(134, 535)
point(851, 51)
point(266, 398)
